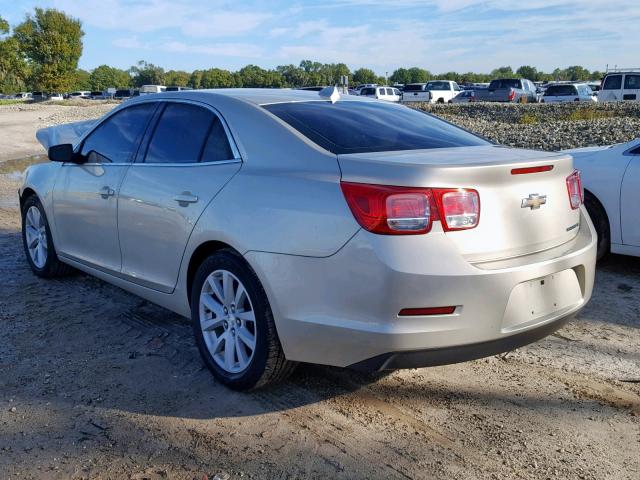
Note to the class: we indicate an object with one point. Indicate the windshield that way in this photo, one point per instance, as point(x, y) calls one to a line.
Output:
point(359, 127)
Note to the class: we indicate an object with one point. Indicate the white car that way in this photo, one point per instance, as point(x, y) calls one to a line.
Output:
point(621, 85)
point(415, 92)
point(611, 179)
point(389, 94)
point(57, 97)
point(442, 91)
point(80, 94)
point(568, 92)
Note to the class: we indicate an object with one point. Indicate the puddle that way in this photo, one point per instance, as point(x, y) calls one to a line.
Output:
point(11, 167)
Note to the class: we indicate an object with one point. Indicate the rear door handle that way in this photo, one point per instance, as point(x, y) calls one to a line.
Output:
point(106, 192)
point(185, 198)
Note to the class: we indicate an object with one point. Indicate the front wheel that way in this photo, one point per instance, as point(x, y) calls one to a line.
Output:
point(38, 242)
point(233, 324)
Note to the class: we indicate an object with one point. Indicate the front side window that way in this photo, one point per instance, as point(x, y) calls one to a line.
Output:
point(358, 127)
point(116, 139)
point(632, 82)
point(180, 134)
point(368, 91)
point(612, 82)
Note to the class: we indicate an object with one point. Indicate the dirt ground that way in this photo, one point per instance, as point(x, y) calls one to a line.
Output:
point(97, 383)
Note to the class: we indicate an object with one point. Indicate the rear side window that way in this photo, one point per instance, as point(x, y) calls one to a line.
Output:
point(180, 134)
point(358, 127)
point(217, 147)
point(116, 139)
point(632, 82)
point(612, 82)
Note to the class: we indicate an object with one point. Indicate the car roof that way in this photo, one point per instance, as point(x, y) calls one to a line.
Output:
point(257, 96)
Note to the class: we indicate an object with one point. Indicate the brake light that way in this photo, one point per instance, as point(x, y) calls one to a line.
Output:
point(525, 170)
point(512, 95)
point(574, 187)
point(391, 210)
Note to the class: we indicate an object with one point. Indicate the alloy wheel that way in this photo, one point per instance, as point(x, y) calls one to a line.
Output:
point(36, 235)
point(228, 322)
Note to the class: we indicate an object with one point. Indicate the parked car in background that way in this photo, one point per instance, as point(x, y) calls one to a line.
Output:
point(568, 92)
point(38, 96)
point(611, 179)
point(365, 85)
point(389, 94)
point(595, 86)
point(620, 85)
point(98, 95)
point(23, 96)
point(80, 94)
point(419, 243)
point(518, 90)
point(147, 89)
point(177, 89)
point(464, 96)
point(442, 91)
point(123, 93)
point(415, 92)
point(57, 97)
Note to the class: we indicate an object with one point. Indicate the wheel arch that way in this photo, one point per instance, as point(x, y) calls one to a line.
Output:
point(599, 204)
point(26, 193)
point(201, 252)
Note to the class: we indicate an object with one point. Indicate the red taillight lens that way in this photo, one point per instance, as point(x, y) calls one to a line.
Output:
point(390, 210)
point(527, 170)
point(417, 312)
point(574, 187)
point(459, 208)
point(512, 95)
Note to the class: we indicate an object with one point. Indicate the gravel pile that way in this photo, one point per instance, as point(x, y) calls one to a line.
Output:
point(545, 127)
point(53, 113)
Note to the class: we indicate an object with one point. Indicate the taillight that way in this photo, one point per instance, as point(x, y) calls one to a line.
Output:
point(574, 187)
point(392, 210)
point(512, 95)
point(459, 208)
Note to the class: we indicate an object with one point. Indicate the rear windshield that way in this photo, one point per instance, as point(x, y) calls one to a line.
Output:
point(504, 83)
point(359, 127)
point(438, 86)
point(414, 88)
point(560, 90)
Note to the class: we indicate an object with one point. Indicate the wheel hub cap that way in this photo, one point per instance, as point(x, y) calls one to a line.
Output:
point(36, 237)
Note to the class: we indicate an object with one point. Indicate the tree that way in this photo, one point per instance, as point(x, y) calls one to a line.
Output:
point(364, 75)
point(177, 78)
point(528, 72)
point(195, 80)
point(52, 43)
point(82, 80)
point(502, 72)
point(104, 76)
point(146, 74)
point(13, 69)
point(217, 78)
point(576, 72)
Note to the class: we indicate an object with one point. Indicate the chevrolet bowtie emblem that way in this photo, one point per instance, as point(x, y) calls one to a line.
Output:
point(533, 201)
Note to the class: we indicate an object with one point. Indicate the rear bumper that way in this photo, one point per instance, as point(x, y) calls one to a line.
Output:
point(462, 353)
point(343, 310)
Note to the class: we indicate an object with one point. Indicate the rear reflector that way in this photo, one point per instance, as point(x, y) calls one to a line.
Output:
point(417, 312)
point(525, 170)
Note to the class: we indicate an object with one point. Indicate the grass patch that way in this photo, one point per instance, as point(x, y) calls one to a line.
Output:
point(10, 101)
point(528, 119)
point(20, 164)
point(588, 113)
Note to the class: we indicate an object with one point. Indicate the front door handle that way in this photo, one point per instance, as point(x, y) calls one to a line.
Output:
point(106, 192)
point(185, 198)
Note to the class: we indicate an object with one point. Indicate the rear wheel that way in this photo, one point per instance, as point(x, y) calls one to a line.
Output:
point(233, 324)
point(600, 222)
point(38, 242)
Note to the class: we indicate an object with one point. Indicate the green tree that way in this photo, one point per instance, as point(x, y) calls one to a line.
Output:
point(502, 72)
point(82, 80)
point(51, 41)
point(364, 75)
point(13, 69)
point(146, 74)
point(217, 78)
point(177, 78)
point(104, 76)
point(528, 72)
point(418, 75)
point(576, 72)
point(195, 80)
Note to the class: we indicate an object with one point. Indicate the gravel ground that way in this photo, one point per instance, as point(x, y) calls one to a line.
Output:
point(98, 384)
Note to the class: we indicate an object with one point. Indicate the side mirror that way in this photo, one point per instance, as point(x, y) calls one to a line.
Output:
point(62, 153)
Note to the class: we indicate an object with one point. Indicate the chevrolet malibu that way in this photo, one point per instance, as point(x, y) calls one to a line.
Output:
point(296, 226)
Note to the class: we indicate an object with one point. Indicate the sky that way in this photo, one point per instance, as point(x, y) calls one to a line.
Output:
point(445, 35)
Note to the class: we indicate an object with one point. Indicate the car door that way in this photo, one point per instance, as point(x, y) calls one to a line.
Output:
point(85, 196)
point(630, 199)
point(611, 90)
point(188, 157)
point(631, 87)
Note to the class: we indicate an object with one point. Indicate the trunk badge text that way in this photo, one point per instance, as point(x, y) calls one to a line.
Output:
point(533, 201)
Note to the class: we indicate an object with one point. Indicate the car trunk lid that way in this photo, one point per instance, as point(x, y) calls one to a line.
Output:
point(520, 213)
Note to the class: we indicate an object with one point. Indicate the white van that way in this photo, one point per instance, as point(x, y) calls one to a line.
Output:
point(389, 94)
point(146, 89)
point(620, 85)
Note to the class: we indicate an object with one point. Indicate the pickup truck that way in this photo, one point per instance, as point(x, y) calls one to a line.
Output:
point(434, 91)
point(515, 90)
point(415, 92)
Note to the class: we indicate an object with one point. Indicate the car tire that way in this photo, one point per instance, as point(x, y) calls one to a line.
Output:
point(248, 328)
point(600, 222)
point(38, 242)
